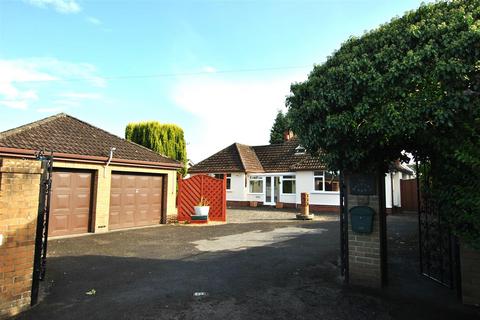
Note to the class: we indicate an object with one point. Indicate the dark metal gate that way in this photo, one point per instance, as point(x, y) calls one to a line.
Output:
point(343, 229)
point(40, 255)
point(439, 250)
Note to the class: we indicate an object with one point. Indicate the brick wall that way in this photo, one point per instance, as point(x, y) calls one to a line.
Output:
point(313, 207)
point(470, 264)
point(19, 193)
point(324, 208)
point(364, 250)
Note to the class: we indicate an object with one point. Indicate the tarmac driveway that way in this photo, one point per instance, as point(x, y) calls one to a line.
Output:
point(272, 269)
point(157, 273)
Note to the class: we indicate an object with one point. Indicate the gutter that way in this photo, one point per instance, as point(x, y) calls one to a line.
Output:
point(69, 157)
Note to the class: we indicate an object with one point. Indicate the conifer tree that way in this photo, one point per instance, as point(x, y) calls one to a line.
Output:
point(165, 139)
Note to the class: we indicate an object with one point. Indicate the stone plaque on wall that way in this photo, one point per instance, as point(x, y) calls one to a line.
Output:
point(363, 184)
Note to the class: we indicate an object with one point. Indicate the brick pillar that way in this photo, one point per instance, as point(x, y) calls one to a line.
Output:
point(470, 268)
point(19, 194)
point(365, 251)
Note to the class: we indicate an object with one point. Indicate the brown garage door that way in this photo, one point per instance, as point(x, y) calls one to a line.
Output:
point(135, 200)
point(71, 203)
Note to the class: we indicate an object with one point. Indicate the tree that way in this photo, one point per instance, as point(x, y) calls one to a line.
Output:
point(165, 139)
point(412, 84)
point(279, 127)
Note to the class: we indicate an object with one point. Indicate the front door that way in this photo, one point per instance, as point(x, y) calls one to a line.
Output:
point(269, 191)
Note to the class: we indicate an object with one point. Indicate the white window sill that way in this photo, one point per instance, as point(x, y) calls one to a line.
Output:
point(256, 194)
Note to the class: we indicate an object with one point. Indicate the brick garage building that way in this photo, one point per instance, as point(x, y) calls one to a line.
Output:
point(100, 181)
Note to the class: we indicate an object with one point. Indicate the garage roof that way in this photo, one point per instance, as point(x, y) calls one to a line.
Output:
point(68, 137)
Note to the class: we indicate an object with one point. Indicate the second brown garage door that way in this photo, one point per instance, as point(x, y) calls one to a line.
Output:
point(135, 200)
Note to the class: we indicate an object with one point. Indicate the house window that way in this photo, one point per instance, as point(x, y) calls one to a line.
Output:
point(229, 181)
point(255, 184)
point(318, 180)
point(229, 178)
point(331, 182)
point(325, 181)
point(288, 185)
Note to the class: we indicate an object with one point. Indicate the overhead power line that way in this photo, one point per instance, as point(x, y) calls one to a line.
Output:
point(165, 75)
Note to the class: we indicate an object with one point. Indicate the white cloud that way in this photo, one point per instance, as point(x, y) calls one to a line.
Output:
point(15, 104)
point(24, 81)
point(81, 95)
point(209, 69)
point(94, 21)
point(66, 103)
point(61, 6)
point(230, 111)
point(13, 71)
point(49, 110)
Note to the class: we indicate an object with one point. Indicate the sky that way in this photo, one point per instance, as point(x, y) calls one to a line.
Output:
point(221, 70)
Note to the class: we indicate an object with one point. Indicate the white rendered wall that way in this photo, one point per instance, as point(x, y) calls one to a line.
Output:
point(305, 184)
point(238, 191)
point(397, 198)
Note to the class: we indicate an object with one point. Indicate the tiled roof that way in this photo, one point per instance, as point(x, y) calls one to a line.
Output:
point(234, 158)
point(282, 157)
point(65, 134)
point(249, 159)
point(308, 163)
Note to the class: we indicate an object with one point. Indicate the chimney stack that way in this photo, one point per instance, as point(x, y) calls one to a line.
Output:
point(288, 135)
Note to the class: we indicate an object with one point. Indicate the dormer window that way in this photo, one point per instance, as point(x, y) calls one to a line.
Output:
point(300, 150)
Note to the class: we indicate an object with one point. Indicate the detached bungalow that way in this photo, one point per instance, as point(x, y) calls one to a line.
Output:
point(278, 174)
point(100, 181)
point(273, 174)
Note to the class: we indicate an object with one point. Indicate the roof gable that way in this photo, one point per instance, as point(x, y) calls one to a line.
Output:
point(249, 158)
point(226, 160)
point(68, 135)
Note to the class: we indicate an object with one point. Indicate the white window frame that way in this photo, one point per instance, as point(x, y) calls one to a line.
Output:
point(256, 178)
point(323, 183)
point(300, 150)
point(290, 178)
point(228, 178)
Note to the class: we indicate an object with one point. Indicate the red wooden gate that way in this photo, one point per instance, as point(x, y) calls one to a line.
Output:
point(192, 189)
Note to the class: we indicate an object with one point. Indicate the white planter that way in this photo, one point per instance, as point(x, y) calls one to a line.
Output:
point(201, 210)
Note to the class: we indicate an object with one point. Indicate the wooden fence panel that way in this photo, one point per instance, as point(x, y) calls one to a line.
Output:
point(409, 195)
point(192, 189)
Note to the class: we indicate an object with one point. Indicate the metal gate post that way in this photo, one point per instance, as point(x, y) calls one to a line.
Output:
point(40, 255)
point(343, 229)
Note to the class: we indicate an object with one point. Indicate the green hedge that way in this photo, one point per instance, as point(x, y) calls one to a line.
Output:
point(412, 84)
point(165, 139)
